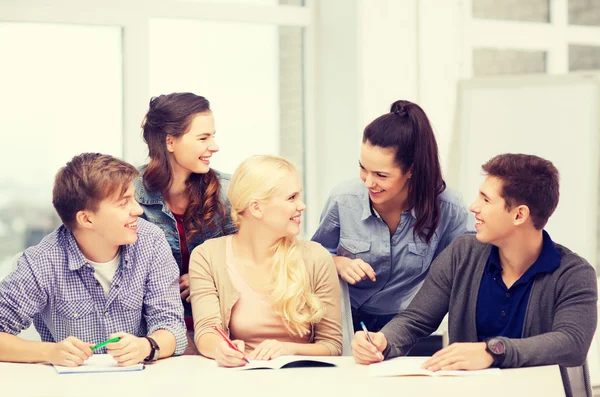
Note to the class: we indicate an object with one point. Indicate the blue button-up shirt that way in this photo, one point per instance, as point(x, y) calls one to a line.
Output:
point(349, 227)
point(157, 212)
point(500, 310)
point(54, 286)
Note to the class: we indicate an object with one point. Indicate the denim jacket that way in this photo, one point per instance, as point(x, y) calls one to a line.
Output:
point(157, 212)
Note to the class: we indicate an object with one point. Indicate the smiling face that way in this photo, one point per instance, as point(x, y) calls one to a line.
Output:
point(382, 176)
point(494, 223)
point(282, 212)
point(115, 219)
point(191, 152)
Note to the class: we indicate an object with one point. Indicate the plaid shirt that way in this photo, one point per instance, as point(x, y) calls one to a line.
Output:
point(54, 286)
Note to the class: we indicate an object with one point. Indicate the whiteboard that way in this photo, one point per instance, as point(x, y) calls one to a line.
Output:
point(554, 117)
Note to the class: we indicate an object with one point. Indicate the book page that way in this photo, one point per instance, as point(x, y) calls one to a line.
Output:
point(411, 366)
point(98, 363)
point(289, 361)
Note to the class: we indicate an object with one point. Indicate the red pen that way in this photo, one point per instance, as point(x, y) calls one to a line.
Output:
point(229, 342)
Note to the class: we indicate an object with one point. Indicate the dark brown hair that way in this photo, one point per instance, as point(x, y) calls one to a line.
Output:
point(86, 180)
point(172, 115)
point(527, 180)
point(407, 130)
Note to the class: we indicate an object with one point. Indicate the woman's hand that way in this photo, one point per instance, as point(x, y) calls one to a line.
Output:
point(353, 270)
point(225, 356)
point(270, 349)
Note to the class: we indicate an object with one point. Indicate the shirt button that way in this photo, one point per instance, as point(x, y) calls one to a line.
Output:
point(106, 314)
point(508, 294)
point(75, 315)
point(116, 285)
point(97, 283)
point(503, 313)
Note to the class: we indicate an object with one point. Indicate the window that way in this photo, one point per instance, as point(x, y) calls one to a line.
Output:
point(494, 62)
point(61, 95)
point(516, 10)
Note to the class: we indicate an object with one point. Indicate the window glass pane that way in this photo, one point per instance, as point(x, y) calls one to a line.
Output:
point(582, 57)
point(495, 62)
point(515, 10)
point(252, 75)
point(298, 3)
point(584, 12)
point(61, 95)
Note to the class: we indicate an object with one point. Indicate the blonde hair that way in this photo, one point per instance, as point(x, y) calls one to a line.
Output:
point(257, 178)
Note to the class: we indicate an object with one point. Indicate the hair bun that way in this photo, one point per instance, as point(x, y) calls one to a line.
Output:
point(400, 108)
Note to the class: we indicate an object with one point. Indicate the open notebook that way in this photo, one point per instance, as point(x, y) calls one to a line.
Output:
point(98, 363)
point(288, 362)
point(411, 366)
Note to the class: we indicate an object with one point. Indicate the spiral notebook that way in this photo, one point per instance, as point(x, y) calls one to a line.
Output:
point(98, 363)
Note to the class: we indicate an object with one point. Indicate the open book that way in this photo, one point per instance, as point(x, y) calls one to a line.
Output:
point(98, 363)
point(288, 362)
point(411, 366)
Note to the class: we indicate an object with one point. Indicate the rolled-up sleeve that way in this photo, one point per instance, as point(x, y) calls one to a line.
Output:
point(21, 297)
point(162, 303)
point(328, 232)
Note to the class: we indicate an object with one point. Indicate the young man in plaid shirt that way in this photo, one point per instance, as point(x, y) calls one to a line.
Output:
point(104, 273)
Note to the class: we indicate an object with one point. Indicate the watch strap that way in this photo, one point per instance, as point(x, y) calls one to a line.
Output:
point(154, 350)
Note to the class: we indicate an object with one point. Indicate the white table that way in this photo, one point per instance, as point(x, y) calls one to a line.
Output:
point(196, 376)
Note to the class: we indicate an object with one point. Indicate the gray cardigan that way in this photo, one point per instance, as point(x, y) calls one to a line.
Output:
point(560, 319)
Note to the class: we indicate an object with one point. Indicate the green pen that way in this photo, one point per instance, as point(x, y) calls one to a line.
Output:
point(106, 342)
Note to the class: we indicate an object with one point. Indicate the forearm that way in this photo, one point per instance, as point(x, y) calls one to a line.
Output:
point(166, 342)
point(308, 349)
point(546, 349)
point(207, 344)
point(16, 350)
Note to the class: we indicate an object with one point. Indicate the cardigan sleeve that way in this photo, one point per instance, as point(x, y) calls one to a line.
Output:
point(573, 327)
point(328, 331)
point(426, 311)
point(204, 296)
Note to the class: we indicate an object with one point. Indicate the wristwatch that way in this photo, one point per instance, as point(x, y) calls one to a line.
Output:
point(154, 352)
point(497, 350)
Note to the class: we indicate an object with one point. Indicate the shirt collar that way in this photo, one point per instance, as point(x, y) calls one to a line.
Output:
point(547, 262)
point(76, 260)
point(143, 195)
point(368, 209)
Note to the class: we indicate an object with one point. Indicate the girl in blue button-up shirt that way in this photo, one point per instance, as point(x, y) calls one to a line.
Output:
point(385, 231)
point(177, 189)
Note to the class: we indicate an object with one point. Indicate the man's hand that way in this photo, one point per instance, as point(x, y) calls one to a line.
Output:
point(366, 353)
point(469, 356)
point(70, 352)
point(269, 349)
point(184, 287)
point(353, 270)
point(130, 350)
point(225, 356)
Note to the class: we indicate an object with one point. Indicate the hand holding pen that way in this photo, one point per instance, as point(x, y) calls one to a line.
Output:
point(229, 353)
point(367, 346)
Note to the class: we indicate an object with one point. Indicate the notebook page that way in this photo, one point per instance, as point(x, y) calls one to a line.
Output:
point(98, 363)
point(411, 366)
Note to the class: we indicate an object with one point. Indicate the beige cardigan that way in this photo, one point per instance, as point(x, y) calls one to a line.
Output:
point(213, 295)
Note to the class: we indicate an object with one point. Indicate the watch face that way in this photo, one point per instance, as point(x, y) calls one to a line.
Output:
point(496, 346)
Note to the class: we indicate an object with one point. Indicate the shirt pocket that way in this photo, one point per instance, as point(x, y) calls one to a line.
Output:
point(129, 305)
point(351, 248)
point(414, 262)
point(75, 318)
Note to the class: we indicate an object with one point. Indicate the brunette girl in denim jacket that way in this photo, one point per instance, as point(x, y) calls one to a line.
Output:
point(177, 189)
